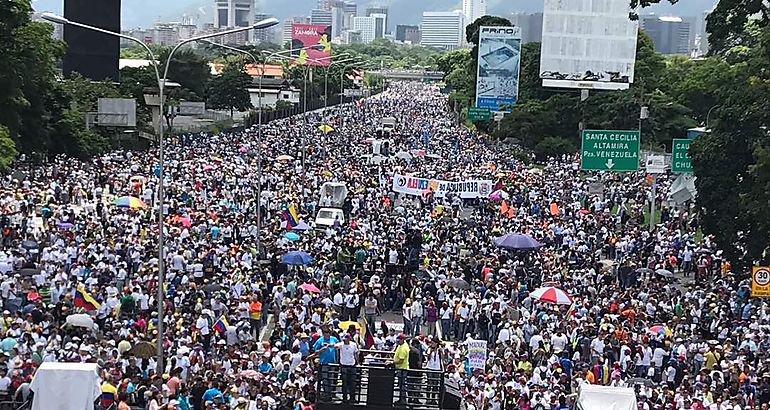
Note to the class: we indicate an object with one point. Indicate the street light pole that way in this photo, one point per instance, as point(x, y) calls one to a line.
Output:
point(708, 115)
point(161, 145)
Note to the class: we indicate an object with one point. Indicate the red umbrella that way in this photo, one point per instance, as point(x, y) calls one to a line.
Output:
point(309, 287)
point(551, 294)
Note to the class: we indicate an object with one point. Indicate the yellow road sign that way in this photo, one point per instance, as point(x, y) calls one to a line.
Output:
point(760, 281)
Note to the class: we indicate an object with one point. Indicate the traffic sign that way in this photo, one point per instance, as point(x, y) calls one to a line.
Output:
point(760, 282)
point(605, 150)
point(479, 114)
point(680, 156)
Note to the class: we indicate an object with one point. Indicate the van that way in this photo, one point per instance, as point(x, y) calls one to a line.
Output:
point(326, 217)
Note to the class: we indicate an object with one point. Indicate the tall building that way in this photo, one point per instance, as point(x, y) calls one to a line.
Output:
point(321, 17)
point(288, 22)
point(379, 24)
point(338, 18)
point(473, 9)
point(670, 35)
point(703, 36)
point(351, 37)
point(265, 35)
point(403, 29)
point(233, 13)
point(351, 10)
point(382, 11)
point(531, 26)
point(366, 26)
point(325, 4)
point(442, 29)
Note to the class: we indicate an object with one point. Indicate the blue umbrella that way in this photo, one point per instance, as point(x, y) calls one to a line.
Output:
point(64, 225)
point(517, 241)
point(301, 226)
point(291, 236)
point(296, 258)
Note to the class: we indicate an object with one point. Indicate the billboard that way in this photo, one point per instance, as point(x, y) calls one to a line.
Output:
point(497, 79)
point(315, 42)
point(588, 44)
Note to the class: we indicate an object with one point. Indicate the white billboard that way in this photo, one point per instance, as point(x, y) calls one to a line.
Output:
point(497, 80)
point(588, 44)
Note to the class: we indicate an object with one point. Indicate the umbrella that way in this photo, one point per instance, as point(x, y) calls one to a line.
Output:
point(551, 294)
point(665, 273)
point(64, 225)
point(296, 258)
point(517, 241)
point(606, 263)
point(291, 236)
point(644, 271)
point(310, 287)
point(183, 220)
point(28, 272)
point(501, 193)
point(284, 158)
point(326, 128)
point(129, 202)
point(640, 381)
point(213, 287)
point(301, 226)
point(346, 325)
point(661, 330)
point(29, 244)
point(81, 320)
point(144, 350)
point(458, 283)
point(403, 155)
point(419, 153)
point(208, 167)
point(251, 374)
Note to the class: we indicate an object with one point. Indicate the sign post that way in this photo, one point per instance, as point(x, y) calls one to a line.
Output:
point(479, 114)
point(604, 150)
point(760, 281)
point(680, 156)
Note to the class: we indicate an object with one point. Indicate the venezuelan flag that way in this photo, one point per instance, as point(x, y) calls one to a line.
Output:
point(291, 217)
point(221, 324)
point(367, 336)
point(84, 300)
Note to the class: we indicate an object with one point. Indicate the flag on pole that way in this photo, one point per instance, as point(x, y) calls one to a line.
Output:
point(291, 217)
point(366, 335)
point(84, 300)
point(221, 325)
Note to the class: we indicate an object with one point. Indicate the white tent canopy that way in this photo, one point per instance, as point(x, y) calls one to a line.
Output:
point(606, 398)
point(66, 386)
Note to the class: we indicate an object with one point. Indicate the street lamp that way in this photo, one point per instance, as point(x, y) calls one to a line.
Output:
point(326, 75)
point(161, 86)
point(708, 115)
point(259, 129)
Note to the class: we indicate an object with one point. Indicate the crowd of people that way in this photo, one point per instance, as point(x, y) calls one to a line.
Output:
point(417, 276)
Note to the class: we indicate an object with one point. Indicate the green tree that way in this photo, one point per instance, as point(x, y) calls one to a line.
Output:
point(229, 90)
point(190, 70)
point(8, 151)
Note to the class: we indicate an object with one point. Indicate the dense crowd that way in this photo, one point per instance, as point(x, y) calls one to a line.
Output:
point(418, 276)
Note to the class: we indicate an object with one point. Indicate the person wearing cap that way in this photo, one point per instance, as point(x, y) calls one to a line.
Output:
point(401, 363)
point(348, 357)
point(324, 349)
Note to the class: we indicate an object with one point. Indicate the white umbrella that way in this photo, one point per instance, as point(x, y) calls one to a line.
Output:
point(403, 155)
point(81, 320)
point(551, 294)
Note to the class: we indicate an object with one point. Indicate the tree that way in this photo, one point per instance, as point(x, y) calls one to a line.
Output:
point(190, 70)
point(229, 90)
point(8, 151)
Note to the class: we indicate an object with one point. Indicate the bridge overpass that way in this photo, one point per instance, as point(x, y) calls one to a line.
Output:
point(417, 75)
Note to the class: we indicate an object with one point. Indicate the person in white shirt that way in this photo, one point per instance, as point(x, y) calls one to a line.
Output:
point(347, 356)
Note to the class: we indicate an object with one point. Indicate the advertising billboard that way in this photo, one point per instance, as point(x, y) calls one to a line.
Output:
point(315, 42)
point(497, 80)
point(588, 44)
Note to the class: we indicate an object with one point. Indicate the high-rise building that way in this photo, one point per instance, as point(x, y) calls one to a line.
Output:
point(351, 10)
point(402, 29)
point(366, 26)
point(288, 22)
point(703, 44)
point(379, 24)
point(265, 35)
point(473, 9)
point(325, 4)
point(351, 37)
point(338, 18)
point(670, 35)
point(380, 10)
point(442, 29)
point(233, 13)
point(321, 17)
point(531, 26)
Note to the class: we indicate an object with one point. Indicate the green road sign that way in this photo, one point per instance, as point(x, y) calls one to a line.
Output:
point(605, 150)
point(479, 114)
point(680, 156)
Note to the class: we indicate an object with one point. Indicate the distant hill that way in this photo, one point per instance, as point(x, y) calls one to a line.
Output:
point(144, 13)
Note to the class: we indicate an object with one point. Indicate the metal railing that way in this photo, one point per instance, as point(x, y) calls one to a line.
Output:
point(377, 384)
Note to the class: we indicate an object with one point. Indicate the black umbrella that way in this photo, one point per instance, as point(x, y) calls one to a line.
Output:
point(458, 283)
point(212, 288)
point(28, 272)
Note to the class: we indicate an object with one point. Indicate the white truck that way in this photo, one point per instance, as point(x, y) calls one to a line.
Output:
point(333, 195)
